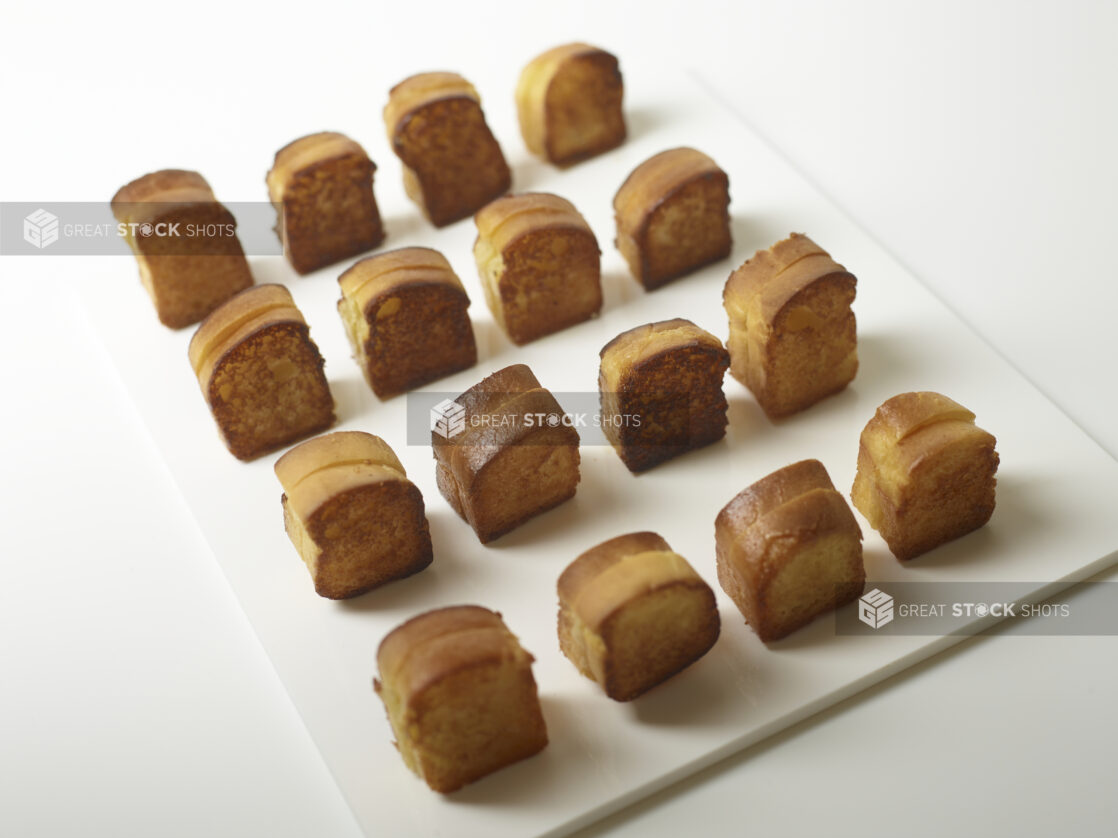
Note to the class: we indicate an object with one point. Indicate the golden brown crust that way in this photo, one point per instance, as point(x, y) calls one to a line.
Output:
point(661, 391)
point(568, 102)
point(260, 372)
point(509, 464)
point(672, 216)
point(926, 473)
point(453, 165)
point(788, 550)
point(322, 186)
point(460, 695)
point(539, 264)
point(632, 614)
point(793, 335)
point(186, 276)
point(405, 313)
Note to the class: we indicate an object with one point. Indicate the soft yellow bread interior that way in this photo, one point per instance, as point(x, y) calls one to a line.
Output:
point(925, 472)
point(460, 696)
point(788, 549)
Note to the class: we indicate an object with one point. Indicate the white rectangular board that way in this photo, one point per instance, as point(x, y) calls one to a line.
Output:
point(1054, 521)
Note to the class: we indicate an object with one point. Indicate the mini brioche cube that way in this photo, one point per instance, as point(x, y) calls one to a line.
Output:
point(793, 338)
point(632, 614)
point(185, 243)
point(453, 166)
point(925, 473)
point(260, 372)
point(788, 550)
point(673, 216)
point(513, 458)
point(405, 313)
point(322, 187)
point(539, 265)
point(460, 695)
point(661, 392)
point(351, 512)
point(568, 101)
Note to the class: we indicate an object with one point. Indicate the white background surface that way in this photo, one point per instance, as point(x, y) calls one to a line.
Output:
point(975, 143)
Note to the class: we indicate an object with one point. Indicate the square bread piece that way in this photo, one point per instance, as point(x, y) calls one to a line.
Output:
point(260, 372)
point(186, 276)
point(793, 338)
point(673, 216)
point(405, 313)
point(632, 614)
point(460, 695)
point(789, 550)
point(453, 166)
point(925, 473)
point(351, 512)
point(568, 101)
point(500, 458)
point(322, 187)
point(661, 392)
point(539, 264)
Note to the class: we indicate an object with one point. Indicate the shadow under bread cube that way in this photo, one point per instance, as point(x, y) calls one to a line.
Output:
point(632, 614)
point(352, 514)
point(460, 695)
point(505, 462)
point(185, 244)
point(539, 264)
point(788, 550)
point(405, 314)
point(661, 392)
point(260, 372)
point(322, 188)
point(926, 473)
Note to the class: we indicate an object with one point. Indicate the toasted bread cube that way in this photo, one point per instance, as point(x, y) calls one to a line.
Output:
point(925, 473)
point(322, 187)
point(260, 372)
point(539, 265)
point(460, 695)
point(405, 313)
point(453, 166)
point(661, 392)
point(788, 550)
point(673, 216)
point(185, 243)
point(568, 101)
point(509, 461)
point(632, 614)
point(793, 337)
point(351, 512)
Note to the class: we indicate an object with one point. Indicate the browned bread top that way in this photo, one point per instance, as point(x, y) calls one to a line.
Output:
point(439, 643)
point(165, 186)
point(369, 281)
point(306, 152)
point(503, 221)
point(607, 577)
point(506, 397)
point(315, 471)
point(904, 415)
point(630, 349)
point(419, 90)
point(792, 503)
point(655, 180)
point(234, 321)
point(773, 277)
